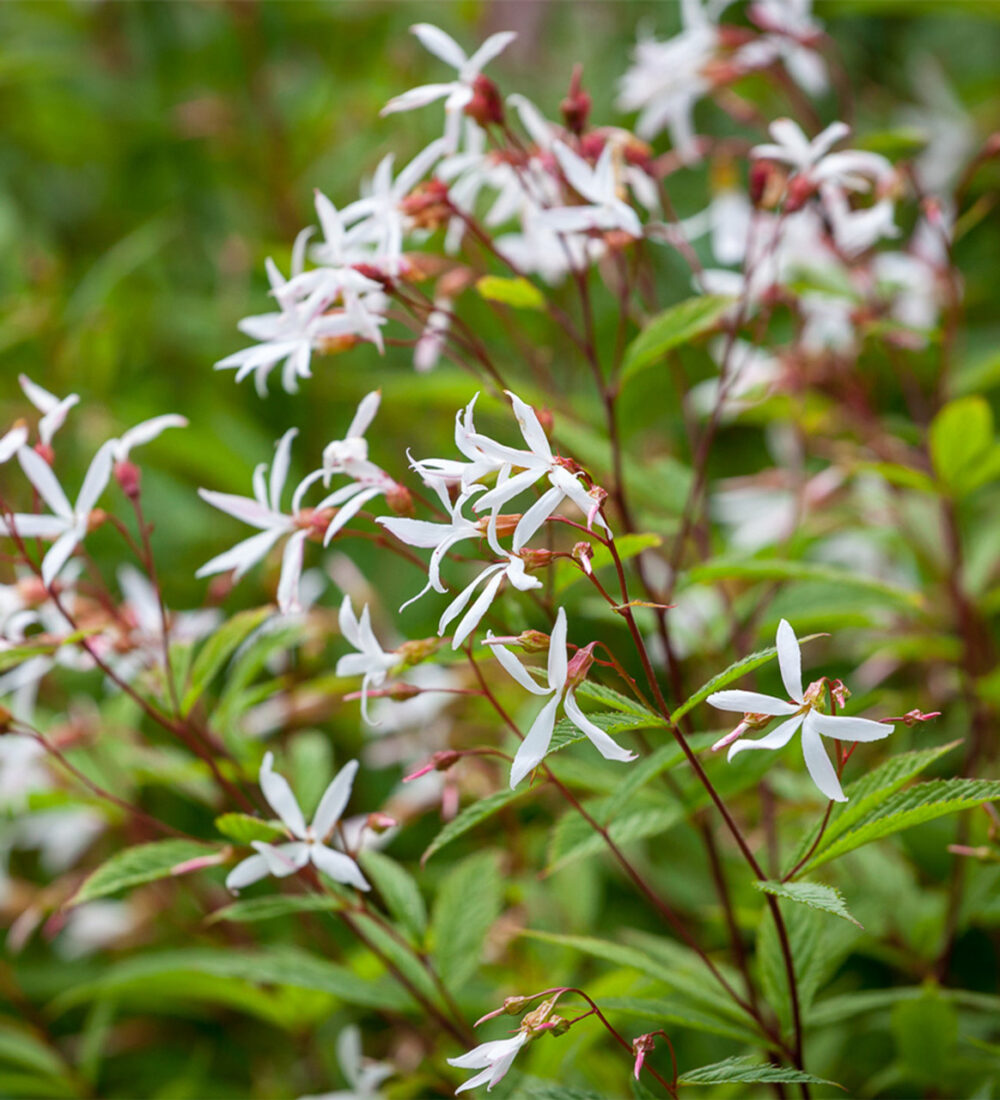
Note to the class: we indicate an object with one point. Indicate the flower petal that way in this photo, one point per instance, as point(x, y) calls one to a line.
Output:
point(789, 660)
point(750, 702)
point(514, 667)
point(818, 763)
point(339, 866)
point(250, 870)
point(847, 728)
point(533, 748)
point(280, 798)
point(331, 805)
point(602, 741)
point(778, 738)
point(558, 661)
point(40, 474)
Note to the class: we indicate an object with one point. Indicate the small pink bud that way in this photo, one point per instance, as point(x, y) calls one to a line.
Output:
point(128, 476)
point(486, 105)
point(199, 863)
point(579, 665)
point(379, 822)
point(599, 496)
point(583, 552)
point(439, 762)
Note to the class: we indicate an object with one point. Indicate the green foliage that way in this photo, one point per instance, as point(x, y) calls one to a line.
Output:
point(242, 828)
point(399, 891)
point(813, 894)
point(671, 329)
point(269, 908)
point(963, 450)
point(746, 1070)
point(135, 866)
point(467, 903)
point(472, 816)
point(517, 292)
point(218, 649)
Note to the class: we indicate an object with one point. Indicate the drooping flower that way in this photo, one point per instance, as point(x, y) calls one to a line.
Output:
point(511, 568)
point(458, 93)
point(563, 675)
point(309, 843)
point(68, 524)
point(493, 1059)
point(800, 710)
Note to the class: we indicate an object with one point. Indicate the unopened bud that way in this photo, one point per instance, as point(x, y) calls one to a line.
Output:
point(5, 720)
point(538, 1017)
point(378, 822)
point(912, 717)
point(335, 345)
point(750, 722)
point(800, 190)
point(576, 106)
point(642, 1046)
point(579, 665)
point(400, 500)
point(557, 1025)
point(376, 274)
point(427, 204)
point(536, 559)
point(96, 518)
point(453, 282)
point(128, 476)
point(840, 692)
point(439, 762)
point(504, 524)
point(419, 649)
point(486, 105)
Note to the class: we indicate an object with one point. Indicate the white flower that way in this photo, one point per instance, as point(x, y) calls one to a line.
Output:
point(440, 473)
point(263, 511)
point(493, 1058)
point(850, 169)
point(511, 568)
point(145, 432)
point(599, 186)
point(308, 846)
point(440, 537)
point(793, 34)
point(53, 409)
point(666, 79)
point(371, 662)
point(561, 687)
point(349, 456)
point(363, 1074)
point(802, 711)
point(377, 217)
point(69, 523)
point(432, 340)
point(341, 247)
point(458, 93)
point(303, 322)
point(11, 442)
point(538, 461)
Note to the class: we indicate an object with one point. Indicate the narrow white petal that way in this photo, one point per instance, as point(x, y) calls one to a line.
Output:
point(280, 798)
point(847, 728)
point(514, 668)
point(339, 866)
point(601, 740)
point(750, 702)
point(492, 47)
point(470, 620)
point(283, 859)
point(279, 468)
point(558, 660)
point(818, 764)
point(365, 414)
point(533, 748)
point(59, 554)
point(439, 43)
point(251, 870)
point(535, 516)
point(789, 660)
point(40, 474)
point(245, 509)
point(96, 479)
point(331, 805)
point(291, 574)
point(778, 738)
point(416, 97)
point(242, 556)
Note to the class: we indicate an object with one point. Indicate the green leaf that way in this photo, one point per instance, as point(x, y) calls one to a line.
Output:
point(775, 569)
point(134, 866)
point(20, 1046)
point(960, 436)
point(746, 1070)
point(16, 654)
point(904, 476)
point(268, 908)
point(925, 1031)
point(517, 292)
point(814, 894)
point(896, 144)
point(472, 816)
point(278, 967)
point(219, 648)
point(242, 828)
point(680, 1012)
point(746, 664)
point(398, 890)
point(600, 693)
point(573, 838)
point(904, 809)
point(866, 793)
point(680, 324)
point(468, 902)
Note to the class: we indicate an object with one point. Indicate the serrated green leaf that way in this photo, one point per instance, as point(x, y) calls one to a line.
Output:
point(775, 569)
point(680, 324)
point(573, 838)
point(268, 908)
point(740, 668)
point(468, 902)
point(814, 894)
point(867, 792)
point(517, 292)
point(398, 890)
point(472, 816)
point(904, 809)
point(243, 829)
point(600, 693)
point(134, 866)
point(746, 1070)
point(218, 649)
point(680, 1012)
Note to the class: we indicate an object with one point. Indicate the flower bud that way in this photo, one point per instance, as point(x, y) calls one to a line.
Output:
point(334, 345)
point(583, 552)
point(376, 274)
point(96, 518)
point(400, 500)
point(46, 451)
point(419, 649)
point(800, 190)
point(378, 822)
point(536, 559)
point(427, 204)
point(505, 524)
point(486, 105)
point(557, 1025)
point(439, 762)
point(576, 106)
point(128, 476)
point(912, 717)
point(579, 665)
point(839, 691)
point(537, 1017)
point(5, 720)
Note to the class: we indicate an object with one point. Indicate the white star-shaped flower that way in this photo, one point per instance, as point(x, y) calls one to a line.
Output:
point(458, 93)
point(801, 710)
point(561, 683)
point(308, 845)
point(605, 209)
point(371, 662)
point(493, 1058)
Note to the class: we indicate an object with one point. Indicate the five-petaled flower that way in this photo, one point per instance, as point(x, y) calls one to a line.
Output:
point(493, 1059)
point(562, 679)
point(802, 710)
point(309, 841)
